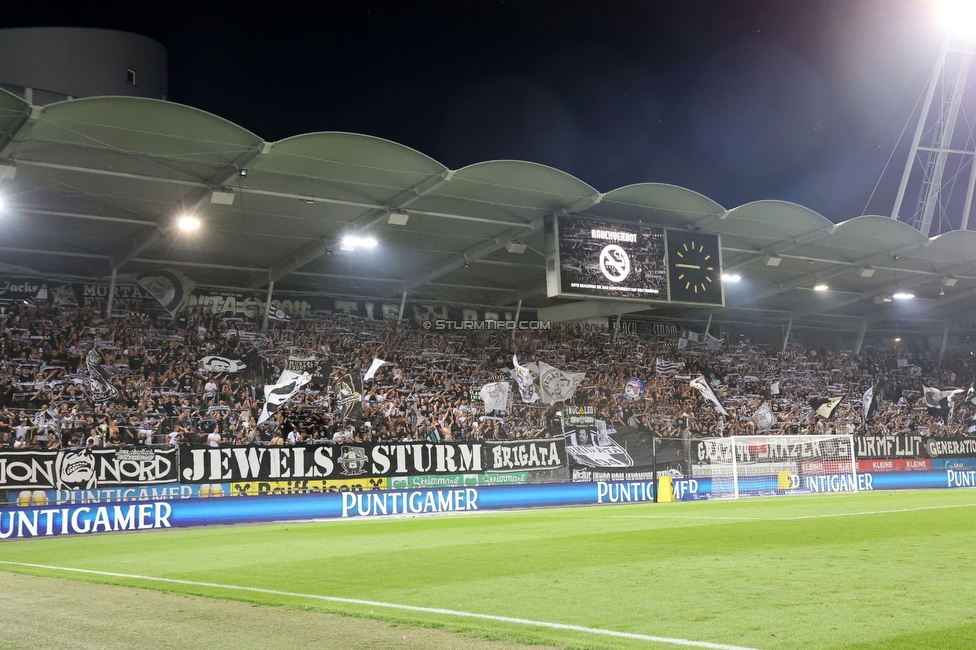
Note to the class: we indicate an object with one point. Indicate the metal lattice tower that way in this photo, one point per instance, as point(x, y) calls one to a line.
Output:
point(943, 150)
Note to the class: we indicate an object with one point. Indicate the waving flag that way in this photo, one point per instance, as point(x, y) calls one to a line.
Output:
point(702, 387)
point(373, 367)
point(281, 391)
point(100, 389)
point(495, 396)
point(557, 385)
point(523, 378)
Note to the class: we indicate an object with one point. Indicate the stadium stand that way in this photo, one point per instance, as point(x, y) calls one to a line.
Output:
point(429, 388)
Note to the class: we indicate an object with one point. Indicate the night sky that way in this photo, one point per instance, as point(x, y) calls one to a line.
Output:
point(739, 100)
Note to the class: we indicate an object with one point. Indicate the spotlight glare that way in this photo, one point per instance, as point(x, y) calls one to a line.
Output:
point(957, 16)
point(897, 340)
point(820, 287)
point(731, 277)
point(352, 242)
point(187, 222)
point(903, 296)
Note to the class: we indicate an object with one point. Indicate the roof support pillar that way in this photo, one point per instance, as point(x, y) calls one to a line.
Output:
point(267, 307)
point(111, 294)
point(518, 312)
point(708, 325)
point(403, 304)
point(945, 339)
point(786, 337)
point(860, 336)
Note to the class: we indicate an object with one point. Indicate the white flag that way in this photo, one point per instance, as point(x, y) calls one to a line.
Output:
point(713, 342)
point(774, 388)
point(284, 389)
point(523, 378)
point(495, 396)
point(702, 387)
point(373, 367)
point(556, 385)
point(764, 417)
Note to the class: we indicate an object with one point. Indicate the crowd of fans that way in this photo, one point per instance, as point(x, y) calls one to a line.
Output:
point(429, 388)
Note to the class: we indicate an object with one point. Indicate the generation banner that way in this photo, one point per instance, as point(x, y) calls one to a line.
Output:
point(515, 455)
point(320, 462)
point(87, 469)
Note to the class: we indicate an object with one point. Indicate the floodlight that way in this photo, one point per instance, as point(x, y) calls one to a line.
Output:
point(731, 277)
point(949, 282)
point(7, 172)
point(902, 295)
point(516, 246)
point(957, 16)
point(897, 339)
point(880, 300)
point(187, 222)
point(820, 287)
point(3, 203)
point(352, 242)
point(866, 272)
point(773, 260)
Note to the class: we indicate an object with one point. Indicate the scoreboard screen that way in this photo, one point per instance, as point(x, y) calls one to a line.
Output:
point(593, 258)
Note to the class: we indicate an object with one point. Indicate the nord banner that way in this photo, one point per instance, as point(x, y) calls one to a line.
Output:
point(368, 460)
point(514, 455)
point(87, 469)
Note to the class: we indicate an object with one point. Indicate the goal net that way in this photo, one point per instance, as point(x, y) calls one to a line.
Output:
point(775, 465)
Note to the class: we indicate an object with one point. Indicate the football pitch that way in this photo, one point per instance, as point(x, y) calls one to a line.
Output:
point(867, 570)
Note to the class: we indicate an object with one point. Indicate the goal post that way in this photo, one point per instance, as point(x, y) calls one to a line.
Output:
point(741, 466)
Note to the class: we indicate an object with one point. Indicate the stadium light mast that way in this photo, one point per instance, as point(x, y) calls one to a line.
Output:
point(951, 75)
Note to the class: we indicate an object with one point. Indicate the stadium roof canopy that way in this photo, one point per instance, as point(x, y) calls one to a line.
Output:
point(98, 184)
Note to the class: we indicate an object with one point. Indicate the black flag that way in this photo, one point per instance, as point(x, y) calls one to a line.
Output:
point(320, 374)
point(348, 389)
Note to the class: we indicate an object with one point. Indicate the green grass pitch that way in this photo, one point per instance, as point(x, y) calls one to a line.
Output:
point(868, 570)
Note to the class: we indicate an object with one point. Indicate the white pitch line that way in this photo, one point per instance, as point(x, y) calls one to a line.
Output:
point(412, 608)
point(823, 516)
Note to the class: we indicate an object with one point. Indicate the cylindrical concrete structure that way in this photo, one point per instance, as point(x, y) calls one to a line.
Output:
point(49, 64)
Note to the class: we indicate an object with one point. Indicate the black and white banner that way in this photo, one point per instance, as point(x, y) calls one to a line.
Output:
point(222, 364)
point(209, 465)
point(100, 388)
point(87, 468)
point(512, 455)
point(170, 288)
point(301, 364)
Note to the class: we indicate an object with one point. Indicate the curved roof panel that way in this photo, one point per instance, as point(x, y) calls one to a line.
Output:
point(140, 136)
point(655, 203)
point(341, 166)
